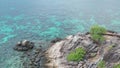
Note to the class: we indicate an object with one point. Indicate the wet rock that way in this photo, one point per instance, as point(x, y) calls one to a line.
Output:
point(35, 59)
point(56, 40)
point(24, 45)
point(31, 58)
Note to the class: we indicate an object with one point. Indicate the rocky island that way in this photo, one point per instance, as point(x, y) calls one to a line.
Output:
point(84, 51)
point(98, 48)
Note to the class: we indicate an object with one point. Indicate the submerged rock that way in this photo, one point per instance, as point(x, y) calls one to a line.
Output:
point(24, 45)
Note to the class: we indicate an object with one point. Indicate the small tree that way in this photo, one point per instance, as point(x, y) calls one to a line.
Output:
point(97, 32)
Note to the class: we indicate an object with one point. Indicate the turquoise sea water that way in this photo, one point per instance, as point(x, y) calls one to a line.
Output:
point(47, 19)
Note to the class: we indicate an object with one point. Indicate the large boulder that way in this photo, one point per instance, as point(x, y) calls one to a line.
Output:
point(24, 45)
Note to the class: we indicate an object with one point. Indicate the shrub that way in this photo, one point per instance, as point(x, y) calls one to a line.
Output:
point(101, 64)
point(117, 66)
point(96, 32)
point(76, 55)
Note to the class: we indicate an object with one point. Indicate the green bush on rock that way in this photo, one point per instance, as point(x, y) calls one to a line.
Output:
point(76, 55)
point(117, 66)
point(96, 32)
point(101, 64)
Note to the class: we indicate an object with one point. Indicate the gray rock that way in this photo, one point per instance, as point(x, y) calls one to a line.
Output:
point(24, 46)
point(94, 52)
point(113, 55)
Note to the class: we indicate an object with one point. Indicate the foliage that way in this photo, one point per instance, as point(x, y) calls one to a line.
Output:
point(76, 55)
point(96, 32)
point(101, 64)
point(117, 66)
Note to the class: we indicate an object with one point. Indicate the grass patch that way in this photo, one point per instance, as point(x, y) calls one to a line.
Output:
point(76, 55)
point(116, 66)
point(101, 64)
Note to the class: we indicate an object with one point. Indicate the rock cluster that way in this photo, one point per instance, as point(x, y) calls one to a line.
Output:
point(108, 51)
point(30, 58)
point(24, 45)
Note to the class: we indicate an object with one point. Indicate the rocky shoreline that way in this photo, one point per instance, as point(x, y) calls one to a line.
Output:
point(56, 55)
point(32, 55)
point(108, 51)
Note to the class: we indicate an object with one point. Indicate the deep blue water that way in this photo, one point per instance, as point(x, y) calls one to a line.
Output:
point(44, 20)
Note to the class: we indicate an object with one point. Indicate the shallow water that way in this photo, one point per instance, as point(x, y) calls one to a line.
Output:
point(47, 19)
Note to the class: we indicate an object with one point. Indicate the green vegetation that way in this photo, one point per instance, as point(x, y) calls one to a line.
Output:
point(76, 55)
point(117, 66)
point(101, 64)
point(96, 32)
